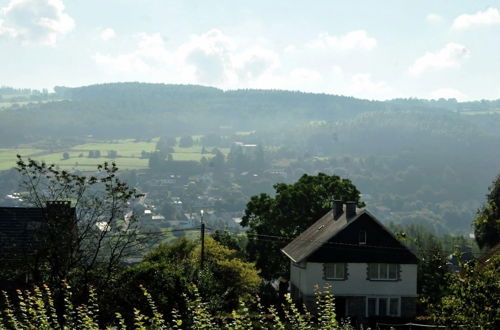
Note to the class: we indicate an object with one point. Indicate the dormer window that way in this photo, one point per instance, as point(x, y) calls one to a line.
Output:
point(362, 237)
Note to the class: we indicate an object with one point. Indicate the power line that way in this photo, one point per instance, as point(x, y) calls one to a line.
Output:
point(276, 238)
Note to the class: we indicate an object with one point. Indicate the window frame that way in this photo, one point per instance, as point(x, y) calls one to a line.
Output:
point(336, 266)
point(381, 269)
point(362, 237)
point(378, 306)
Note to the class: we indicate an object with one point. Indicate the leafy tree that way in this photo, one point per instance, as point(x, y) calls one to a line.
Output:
point(226, 278)
point(275, 221)
point(260, 162)
point(226, 239)
point(218, 161)
point(172, 268)
point(212, 140)
point(166, 143)
point(94, 154)
point(112, 153)
point(102, 232)
point(473, 298)
point(166, 271)
point(168, 209)
point(487, 223)
point(433, 272)
point(155, 161)
point(237, 158)
point(186, 141)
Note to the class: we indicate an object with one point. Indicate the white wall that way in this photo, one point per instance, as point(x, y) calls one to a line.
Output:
point(356, 283)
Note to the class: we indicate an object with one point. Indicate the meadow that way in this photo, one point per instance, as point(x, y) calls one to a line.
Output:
point(129, 153)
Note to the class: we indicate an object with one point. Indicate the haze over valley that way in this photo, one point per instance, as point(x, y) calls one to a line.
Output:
point(415, 161)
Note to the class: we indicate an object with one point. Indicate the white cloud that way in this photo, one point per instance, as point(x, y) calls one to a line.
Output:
point(358, 39)
point(149, 54)
point(450, 56)
point(363, 86)
point(434, 18)
point(490, 16)
point(35, 21)
point(107, 33)
point(448, 93)
point(209, 58)
point(255, 62)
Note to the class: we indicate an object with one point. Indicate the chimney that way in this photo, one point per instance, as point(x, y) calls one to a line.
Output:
point(58, 208)
point(60, 213)
point(337, 209)
point(350, 209)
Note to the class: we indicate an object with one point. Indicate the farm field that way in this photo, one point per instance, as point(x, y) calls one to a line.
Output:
point(8, 156)
point(128, 151)
point(6, 103)
point(476, 113)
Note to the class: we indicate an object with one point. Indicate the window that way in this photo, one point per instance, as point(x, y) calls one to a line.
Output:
point(362, 237)
point(387, 272)
point(382, 306)
point(334, 271)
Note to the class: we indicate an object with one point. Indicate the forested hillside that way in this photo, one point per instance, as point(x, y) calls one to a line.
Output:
point(413, 160)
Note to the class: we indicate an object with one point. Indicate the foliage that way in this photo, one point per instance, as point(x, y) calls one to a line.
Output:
point(432, 281)
point(473, 298)
point(232, 242)
point(35, 309)
point(293, 209)
point(172, 268)
point(434, 252)
point(487, 222)
point(226, 277)
point(89, 245)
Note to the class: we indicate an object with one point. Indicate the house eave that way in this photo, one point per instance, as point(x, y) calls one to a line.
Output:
point(290, 257)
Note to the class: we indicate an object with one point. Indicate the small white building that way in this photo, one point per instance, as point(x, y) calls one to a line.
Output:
point(371, 273)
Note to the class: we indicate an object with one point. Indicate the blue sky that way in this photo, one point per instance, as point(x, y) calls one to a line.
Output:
point(366, 49)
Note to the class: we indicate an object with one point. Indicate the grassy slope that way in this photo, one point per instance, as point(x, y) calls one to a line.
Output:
point(129, 153)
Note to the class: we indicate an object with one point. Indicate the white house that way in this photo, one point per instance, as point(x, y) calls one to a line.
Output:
point(372, 274)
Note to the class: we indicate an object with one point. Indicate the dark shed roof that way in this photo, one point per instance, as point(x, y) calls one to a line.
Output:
point(19, 227)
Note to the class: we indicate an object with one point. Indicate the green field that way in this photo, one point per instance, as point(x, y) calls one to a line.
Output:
point(5, 103)
point(8, 156)
point(475, 113)
point(129, 153)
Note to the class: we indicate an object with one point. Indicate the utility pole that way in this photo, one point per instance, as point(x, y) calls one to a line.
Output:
point(202, 257)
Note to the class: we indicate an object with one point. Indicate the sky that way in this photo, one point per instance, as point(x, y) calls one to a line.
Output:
point(366, 49)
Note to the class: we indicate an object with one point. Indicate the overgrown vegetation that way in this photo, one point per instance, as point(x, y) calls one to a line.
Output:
point(473, 296)
point(487, 222)
point(35, 309)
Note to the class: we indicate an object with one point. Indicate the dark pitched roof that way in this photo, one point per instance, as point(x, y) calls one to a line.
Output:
point(18, 227)
point(315, 238)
